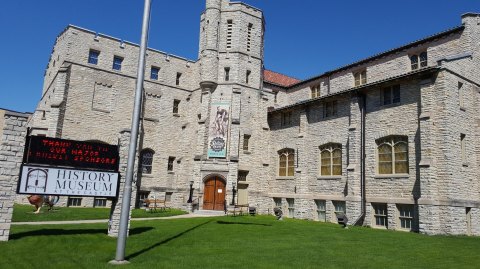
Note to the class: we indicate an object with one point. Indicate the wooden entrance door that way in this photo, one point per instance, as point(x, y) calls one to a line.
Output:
point(214, 194)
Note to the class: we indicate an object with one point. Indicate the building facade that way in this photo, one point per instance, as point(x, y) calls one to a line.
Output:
point(390, 140)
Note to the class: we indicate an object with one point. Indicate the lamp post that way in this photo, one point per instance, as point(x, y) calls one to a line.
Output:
point(191, 192)
point(233, 193)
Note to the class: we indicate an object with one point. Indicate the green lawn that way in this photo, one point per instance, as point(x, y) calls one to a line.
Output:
point(235, 242)
point(24, 213)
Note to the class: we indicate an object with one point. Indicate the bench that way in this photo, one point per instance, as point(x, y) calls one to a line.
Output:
point(153, 204)
point(239, 210)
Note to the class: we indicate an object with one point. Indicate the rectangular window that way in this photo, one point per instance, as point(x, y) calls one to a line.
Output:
point(170, 163)
point(405, 216)
point(74, 201)
point(117, 63)
point(339, 207)
point(291, 207)
point(391, 95)
point(93, 56)
point(176, 104)
point(315, 91)
point(99, 202)
point(463, 148)
point(168, 196)
point(242, 175)
point(249, 36)
point(468, 213)
point(321, 210)
point(286, 118)
point(246, 139)
point(229, 34)
point(360, 78)
point(461, 95)
point(380, 215)
point(247, 76)
point(154, 73)
point(278, 202)
point(177, 81)
point(330, 109)
point(227, 73)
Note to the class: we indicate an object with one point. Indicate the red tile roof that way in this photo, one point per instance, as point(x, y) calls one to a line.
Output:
point(278, 79)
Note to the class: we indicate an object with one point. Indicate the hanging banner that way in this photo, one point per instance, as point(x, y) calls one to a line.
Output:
point(218, 133)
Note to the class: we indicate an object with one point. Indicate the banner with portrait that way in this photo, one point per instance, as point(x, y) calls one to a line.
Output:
point(218, 129)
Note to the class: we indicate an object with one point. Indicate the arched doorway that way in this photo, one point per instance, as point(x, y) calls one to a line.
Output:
point(214, 193)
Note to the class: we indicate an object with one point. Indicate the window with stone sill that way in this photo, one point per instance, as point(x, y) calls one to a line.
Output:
point(321, 210)
point(117, 63)
point(154, 73)
point(340, 207)
point(74, 201)
point(405, 216)
point(286, 118)
point(380, 215)
point(391, 95)
point(246, 139)
point(277, 201)
point(331, 160)
point(315, 91)
point(291, 207)
point(416, 58)
point(146, 160)
point(392, 155)
point(360, 77)
point(93, 56)
point(330, 109)
point(170, 163)
point(99, 202)
point(286, 164)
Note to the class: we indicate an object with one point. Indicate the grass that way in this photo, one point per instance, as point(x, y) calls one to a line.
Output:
point(235, 242)
point(24, 213)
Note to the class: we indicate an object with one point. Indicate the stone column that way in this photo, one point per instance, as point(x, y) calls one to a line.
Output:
point(115, 211)
point(13, 132)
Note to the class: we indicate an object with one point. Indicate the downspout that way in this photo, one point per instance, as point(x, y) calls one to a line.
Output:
point(361, 218)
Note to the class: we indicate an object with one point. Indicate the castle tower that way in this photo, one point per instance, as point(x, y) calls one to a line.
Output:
point(231, 59)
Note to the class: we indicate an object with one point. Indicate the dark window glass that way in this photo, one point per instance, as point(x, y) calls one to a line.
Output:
point(117, 63)
point(154, 73)
point(93, 57)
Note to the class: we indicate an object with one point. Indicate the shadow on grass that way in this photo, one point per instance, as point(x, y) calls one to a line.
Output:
point(133, 255)
point(243, 223)
point(47, 232)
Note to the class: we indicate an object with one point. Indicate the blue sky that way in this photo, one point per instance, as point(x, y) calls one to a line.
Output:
point(303, 37)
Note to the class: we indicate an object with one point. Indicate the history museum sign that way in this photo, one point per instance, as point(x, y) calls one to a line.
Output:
point(53, 166)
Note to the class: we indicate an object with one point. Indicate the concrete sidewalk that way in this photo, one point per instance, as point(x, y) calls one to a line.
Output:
point(185, 216)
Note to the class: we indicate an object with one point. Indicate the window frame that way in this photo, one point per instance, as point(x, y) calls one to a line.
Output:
point(360, 77)
point(392, 141)
point(288, 164)
point(171, 160)
point(321, 210)
point(404, 219)
point(154, 75)
point(330, 148)
point(227, 73)
point(286, 118)
point(330, 109)
point(91, 58)
point(117, 63)
point(291, 207)
point(103, 202)
point(74, 202)
point(146, 161)
point(176, 106)
point(418, 60)
point(391, 95)
point(315, 91)
point(246, 140)
point(380, 215)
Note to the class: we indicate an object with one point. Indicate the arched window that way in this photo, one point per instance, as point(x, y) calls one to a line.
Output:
point(414, 62)
point(331, 160)
point(146, 160)
point(286, 162)
point(423, 59)
point(393, 155)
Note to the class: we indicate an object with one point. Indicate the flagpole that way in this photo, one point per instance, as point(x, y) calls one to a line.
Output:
point(127, 193)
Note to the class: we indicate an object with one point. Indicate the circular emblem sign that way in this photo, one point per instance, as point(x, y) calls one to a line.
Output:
point(217, 144)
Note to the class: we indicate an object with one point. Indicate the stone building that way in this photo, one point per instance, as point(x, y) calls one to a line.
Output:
point(390, 140)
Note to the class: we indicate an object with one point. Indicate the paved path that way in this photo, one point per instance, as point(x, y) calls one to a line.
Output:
point(106, 220)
